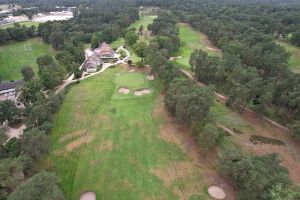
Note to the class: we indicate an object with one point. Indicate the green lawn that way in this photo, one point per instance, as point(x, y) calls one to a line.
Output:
point(21, 23)
point(119, 42)
point(125, 157)
point(191, 40)
point(144, 20)
point(13, 56)
point(294, 61)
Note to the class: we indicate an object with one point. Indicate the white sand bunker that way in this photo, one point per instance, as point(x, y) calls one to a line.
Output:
point(88, 196)
point(150, 77)
point(142, 92)
point(123, 90)
point(131, 70)
point(216, 192)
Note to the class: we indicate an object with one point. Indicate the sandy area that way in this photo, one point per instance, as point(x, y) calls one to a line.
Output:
point(150, 77)
point(14, 132)
point(216, 192)
point(124, 90)
point(131, 70)
point(88, 196)
point(142, 92)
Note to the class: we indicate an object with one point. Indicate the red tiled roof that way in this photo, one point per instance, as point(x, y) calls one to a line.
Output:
point(104, 49)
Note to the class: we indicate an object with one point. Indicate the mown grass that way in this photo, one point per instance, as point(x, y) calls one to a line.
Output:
point(13, 57)
point(21, 23)
point(144, 20)
point(119, 162)
point(294, 61)
point(190, 41)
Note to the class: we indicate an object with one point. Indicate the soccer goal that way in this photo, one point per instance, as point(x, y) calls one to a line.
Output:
point(27, 48)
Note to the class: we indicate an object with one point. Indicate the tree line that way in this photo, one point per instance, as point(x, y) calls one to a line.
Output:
point(17, 33)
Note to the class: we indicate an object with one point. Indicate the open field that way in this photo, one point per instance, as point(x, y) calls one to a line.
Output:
point(13, 57)
point(294, 61)
point(4, 6)
point(121, 148)
point(191, 40)
point(21, 23)
point(144, 20)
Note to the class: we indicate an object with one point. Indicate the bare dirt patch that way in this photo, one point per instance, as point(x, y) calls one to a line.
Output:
point(174, 171)
point(106, 146)
point(79, 142)
point(93, 162)
point(142, 92)
point(89, 195)
point(123, 90)
point(131, 70)
point(216, 192)
point(72, 135)
point(150, 77)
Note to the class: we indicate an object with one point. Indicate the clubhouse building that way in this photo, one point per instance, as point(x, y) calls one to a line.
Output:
point(102, 54)
point(10, 91)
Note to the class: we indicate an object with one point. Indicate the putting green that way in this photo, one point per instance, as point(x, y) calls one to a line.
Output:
point(130, 80)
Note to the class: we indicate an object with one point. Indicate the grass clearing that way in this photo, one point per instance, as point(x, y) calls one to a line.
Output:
point(190, 41)
point(127, 158)
point(294, 61)
point(13, 57)
point(21, 23)
point(144, 20)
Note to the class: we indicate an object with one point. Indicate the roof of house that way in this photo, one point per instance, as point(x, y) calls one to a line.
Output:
point(104, 49)
point(10, 85)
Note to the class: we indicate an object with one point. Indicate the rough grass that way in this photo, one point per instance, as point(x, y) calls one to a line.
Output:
point(21, 23)
point(127, 159)
point(191, 40)
point(294, 61)
point(144, 20)
point(13, 57)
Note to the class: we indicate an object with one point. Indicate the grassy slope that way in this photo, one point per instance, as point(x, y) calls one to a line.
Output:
point(191, 40)
point(21, 23)
point(294, 61)
point(125, 169)
point(13, 57)
point(144, 20)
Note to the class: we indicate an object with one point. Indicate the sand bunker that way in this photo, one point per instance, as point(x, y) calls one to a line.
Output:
point(88, 196)
point(216, 192)
point(142, 92)
point(124, 90)
point(150, 77)
point(131, 70)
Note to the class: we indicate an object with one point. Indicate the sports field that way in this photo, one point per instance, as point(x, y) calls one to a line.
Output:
point(294, 61)
point(13, 57)
point(191, 40)
point(21, 23)
point(120, 145)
